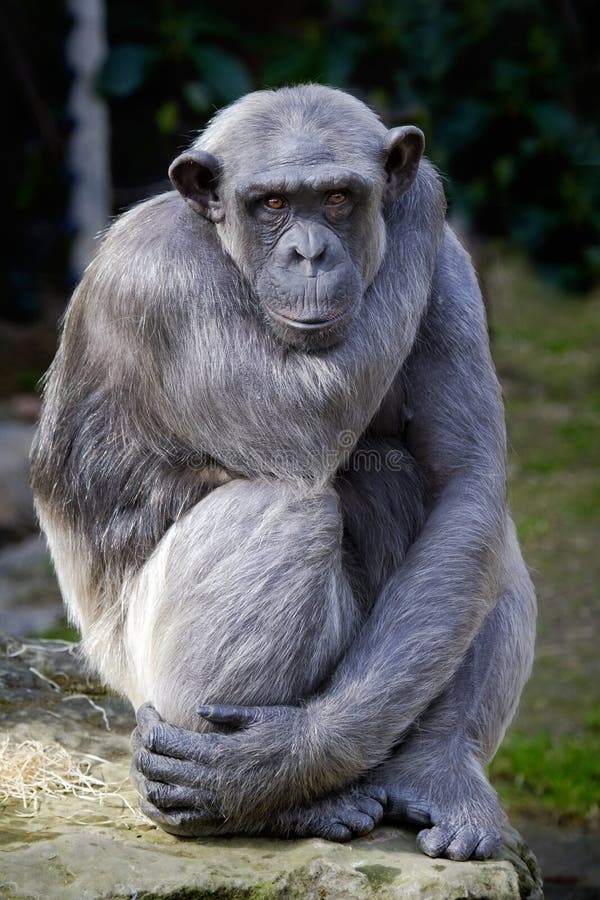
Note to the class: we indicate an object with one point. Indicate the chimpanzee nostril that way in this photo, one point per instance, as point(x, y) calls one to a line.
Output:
point(309, 250)
point(308, 242)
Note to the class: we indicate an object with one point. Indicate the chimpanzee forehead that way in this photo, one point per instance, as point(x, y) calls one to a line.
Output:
point(288, 160)
point(292, 147)
point(309, 125)
point(296, 147)
point(314, 175)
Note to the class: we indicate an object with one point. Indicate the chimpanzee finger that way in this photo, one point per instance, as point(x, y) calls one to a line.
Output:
point(173, 771)
point(236, 716)
point(182, 822)
point(168, 740)
point(375, 791)
point(147, 717)
point(370, 807)
point(166, 794)
point(136, 740)
point(464, 843)
point(136, 777)
point(173, 796)
point(488, 845)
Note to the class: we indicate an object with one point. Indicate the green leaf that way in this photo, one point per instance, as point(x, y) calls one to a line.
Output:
point(167, 117)
point(197, 96)
point(342, 57)
point(293, 62)
point(467, 118)
point(228, 76)
point(125, 69)
point(504, 170)
point(554, 121)
point(184, 27)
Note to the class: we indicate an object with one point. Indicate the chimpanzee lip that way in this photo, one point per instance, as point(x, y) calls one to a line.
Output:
point(311, 324)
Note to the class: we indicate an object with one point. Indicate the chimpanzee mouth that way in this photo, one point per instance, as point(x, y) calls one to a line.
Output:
point(315, 323)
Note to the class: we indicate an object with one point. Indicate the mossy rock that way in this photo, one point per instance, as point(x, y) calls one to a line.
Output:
point(76, 849)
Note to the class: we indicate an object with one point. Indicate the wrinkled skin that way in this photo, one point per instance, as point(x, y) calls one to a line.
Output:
point(271, 471)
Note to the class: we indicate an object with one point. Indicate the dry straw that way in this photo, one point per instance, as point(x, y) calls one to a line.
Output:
point(31, 770)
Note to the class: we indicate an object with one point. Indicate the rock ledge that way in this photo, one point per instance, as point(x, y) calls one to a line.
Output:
point(75, 849)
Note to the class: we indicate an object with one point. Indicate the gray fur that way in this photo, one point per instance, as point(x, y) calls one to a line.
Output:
point(271, 470)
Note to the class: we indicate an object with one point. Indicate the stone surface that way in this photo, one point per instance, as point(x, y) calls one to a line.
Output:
point(16, 505)
point(569, 859)
point(29, 596)
point(30, 601)
point(78, 850)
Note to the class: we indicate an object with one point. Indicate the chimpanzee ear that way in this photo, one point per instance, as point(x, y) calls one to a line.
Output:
point(403, 148)
point(195, 174)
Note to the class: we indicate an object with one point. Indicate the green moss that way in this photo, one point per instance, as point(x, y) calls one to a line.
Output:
point(592, 719)
point(218, 893)
point(532, 526)
point(379, 875)
point(542, 772)
point(62, 631)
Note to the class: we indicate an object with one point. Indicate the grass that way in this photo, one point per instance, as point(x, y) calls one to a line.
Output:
point(62, 631)
point(550, 777)
point(547, 349)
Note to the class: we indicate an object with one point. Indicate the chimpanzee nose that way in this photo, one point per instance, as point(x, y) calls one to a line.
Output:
point(306, 247)
point(309, 245)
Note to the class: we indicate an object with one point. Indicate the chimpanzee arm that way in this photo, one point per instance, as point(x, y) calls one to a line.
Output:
point(430, 610)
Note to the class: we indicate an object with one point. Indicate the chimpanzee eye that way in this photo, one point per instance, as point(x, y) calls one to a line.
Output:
point(335, 198)
point(274, 202)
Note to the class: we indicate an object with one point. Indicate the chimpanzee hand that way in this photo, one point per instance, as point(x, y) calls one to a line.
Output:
point(243, 780)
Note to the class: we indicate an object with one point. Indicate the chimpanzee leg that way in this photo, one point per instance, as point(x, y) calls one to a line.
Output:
point(382, 504)
point(436, 776)
point(245, 601)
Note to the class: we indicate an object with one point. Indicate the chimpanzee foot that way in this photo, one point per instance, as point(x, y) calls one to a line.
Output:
point(338, 817)
point(476, 840)
point(460, 828)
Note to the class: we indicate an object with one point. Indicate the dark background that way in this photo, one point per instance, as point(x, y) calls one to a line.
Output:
point(506, 92)
point(508, 95)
